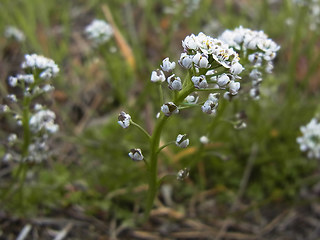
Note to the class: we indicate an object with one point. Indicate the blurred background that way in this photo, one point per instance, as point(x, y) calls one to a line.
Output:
point(248, 182)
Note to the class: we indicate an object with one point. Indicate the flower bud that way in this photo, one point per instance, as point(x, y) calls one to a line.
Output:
point(234, 87)
point(167, 66)
point(182, 174)
point(124, 119)
point(174, 83)
point(182, 141)
point(236, 68)
point(185, 60)
point(223, 80)
point(169, 108)
point(158, 76)
point(136, 154)
point(201, 61)
point(199, 82)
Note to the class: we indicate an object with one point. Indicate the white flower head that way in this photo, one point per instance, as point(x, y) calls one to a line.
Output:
point(43, 120)
point(167, 66)
point(124, 119)
point(182, 141)
point(46, 66)
point(199, 82)
point(174, 83)
point(14, 33)
point(136, 154)
point(169, 108)
point(158, 76)
point(99, 31)
point(310, 139)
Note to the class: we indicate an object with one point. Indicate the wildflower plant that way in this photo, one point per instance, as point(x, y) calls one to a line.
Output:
point(212, 66)
point(37, 123)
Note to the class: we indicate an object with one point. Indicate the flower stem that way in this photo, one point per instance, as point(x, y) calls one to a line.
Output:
point(153, 185)
point(154, 147)
point(141, 129)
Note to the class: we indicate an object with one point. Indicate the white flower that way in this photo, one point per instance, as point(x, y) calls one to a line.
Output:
point(223, 80)
point(174, 83)
point(158, 76)
point(43, 120)
point(15, 33)
point(4, 108)
point(99, 31)
point(234, 87)
point(124, 119)
point(136, 154)
point(12, 98)
point(12, 138)
point(211, 104)
point(192, 99)
point(7, 158)
point(190, 43)
point(185, 60)
point(12, 81)
point(310, 139)
point(47, 66)
point(201, 61)
point(167, 66)
point(204, 140)
point(182, 141)
point(236, 68)
point(169, 108)
point(199, 82)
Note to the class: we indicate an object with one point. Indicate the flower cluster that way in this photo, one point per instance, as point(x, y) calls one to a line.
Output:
point(37, 122)
point(14, 33)
point(212, 61)
point(99, 32)
point(310, 139)
point(256, 48)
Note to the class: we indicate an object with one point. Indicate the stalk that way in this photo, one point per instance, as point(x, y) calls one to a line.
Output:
point(154, 147)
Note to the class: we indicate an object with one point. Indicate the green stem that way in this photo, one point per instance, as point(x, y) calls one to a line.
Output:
point(153, 186)
point(141, 129)
point(154, 147)
point(165, 145)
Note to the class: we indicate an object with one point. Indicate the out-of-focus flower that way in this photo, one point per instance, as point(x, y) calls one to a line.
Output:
point(310, 139)
point(99, 31)
point(14, 33)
